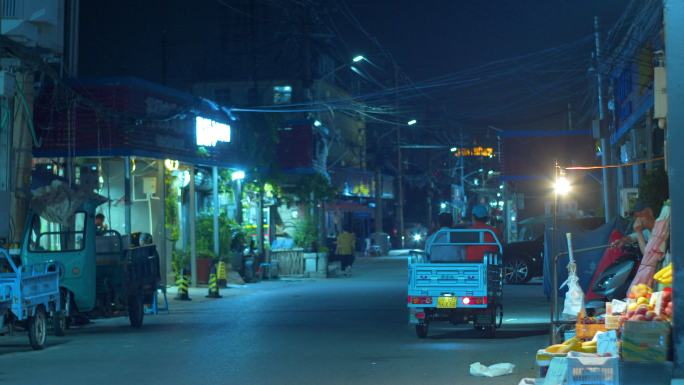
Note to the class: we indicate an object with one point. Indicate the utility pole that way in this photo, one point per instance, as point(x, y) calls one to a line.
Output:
point(674, 62)
point(378, 200)
point(605, 145)
point(400, 171)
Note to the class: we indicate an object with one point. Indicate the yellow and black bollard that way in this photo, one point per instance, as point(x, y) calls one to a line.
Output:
point(221, 275)
point(183, 282)
point(213, 284)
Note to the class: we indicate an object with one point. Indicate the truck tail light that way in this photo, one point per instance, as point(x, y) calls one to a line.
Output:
point(420, 300)
point(474, 300)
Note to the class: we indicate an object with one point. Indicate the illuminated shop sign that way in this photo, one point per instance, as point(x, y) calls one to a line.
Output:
point(475, 151)
point(210, 132)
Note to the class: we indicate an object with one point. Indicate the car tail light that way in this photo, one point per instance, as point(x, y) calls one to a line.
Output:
point(474, 300)
point(420, 315)
point(420, 300)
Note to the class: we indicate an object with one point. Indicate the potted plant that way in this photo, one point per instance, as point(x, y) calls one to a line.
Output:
point(180, 260)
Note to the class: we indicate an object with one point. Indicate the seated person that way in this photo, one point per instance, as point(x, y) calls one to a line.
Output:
point(100, 225)
point(477, 253)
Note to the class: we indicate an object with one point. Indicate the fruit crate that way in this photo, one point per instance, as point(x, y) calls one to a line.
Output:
point(590, 369)
point(588, 331)
point(612, 322)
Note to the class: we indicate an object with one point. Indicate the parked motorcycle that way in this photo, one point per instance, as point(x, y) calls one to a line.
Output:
point(613, 275)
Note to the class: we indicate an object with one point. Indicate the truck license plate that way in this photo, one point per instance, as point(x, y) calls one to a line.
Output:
point(446, 302)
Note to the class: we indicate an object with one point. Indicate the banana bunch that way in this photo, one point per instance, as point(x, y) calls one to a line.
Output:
point(664, 275)
point(588, 347)
point(573, 343)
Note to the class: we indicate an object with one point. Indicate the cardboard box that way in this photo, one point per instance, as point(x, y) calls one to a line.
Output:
point(644, 341)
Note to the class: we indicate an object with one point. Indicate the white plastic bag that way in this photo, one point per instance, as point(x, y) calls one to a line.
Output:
point(574, 298)
point(479, 370)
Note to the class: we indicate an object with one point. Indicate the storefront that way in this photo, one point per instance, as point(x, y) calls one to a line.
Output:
point(167, 163)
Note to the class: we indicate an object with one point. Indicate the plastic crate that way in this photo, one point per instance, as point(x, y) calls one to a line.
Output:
point(587, 369)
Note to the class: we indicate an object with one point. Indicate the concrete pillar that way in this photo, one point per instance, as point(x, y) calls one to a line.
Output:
point(21, 155)
point(160, 236)
point(260, 221)
point(214, 183)
point(192, 211)
point(674, 62)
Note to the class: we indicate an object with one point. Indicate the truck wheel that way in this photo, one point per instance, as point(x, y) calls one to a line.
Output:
point(422, 330)
point(59, 318)
point(59, 323)
point(136, 311)
point(37, 328)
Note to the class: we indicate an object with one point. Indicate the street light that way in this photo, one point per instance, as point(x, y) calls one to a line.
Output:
point(562, 186)
point(453, 149)
point(412, 122)
point(355, 59)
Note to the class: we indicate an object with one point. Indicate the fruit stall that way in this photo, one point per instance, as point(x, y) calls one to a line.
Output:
point(631, 339)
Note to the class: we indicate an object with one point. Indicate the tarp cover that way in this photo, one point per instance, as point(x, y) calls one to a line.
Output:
point(587, 262)
point(57, 202)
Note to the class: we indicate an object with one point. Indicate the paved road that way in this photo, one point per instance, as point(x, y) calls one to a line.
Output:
point(334, 331)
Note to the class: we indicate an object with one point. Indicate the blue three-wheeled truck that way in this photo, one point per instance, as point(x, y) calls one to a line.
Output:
point(443, 286)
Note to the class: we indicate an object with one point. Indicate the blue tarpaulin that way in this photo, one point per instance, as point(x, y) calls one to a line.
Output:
point(587, 262)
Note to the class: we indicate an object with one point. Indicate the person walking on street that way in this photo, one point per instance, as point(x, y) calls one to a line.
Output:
point(345, 250)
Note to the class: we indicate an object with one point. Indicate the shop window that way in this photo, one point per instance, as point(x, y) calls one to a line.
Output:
point(282, 94)
point(48, 236)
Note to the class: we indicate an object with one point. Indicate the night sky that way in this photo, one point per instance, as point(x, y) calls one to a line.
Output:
point(428, 39)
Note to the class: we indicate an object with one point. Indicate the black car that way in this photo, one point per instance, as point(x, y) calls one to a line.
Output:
point(523, 260)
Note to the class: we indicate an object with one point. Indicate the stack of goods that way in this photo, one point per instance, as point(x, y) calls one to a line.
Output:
point(637, 329)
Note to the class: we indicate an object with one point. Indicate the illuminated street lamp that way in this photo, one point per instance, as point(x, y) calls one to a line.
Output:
point(412, 122)
point(562, 186)
point(358, 58)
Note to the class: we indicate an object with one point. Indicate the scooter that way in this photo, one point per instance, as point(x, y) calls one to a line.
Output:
point(612, 279)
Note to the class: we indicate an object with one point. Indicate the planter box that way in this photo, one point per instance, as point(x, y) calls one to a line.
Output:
point(203, 268)
point(310, 262)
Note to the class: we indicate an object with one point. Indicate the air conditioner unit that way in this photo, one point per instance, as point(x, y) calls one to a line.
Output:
point(34, 23)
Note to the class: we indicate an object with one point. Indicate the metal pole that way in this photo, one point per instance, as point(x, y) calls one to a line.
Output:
point(400, 171)
point(378, 201)
point(238, 201)
point(127, 194)
point(191, 226)
point(674, 62)
point(605, 152)
point(214, 191)
point(554, 261)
